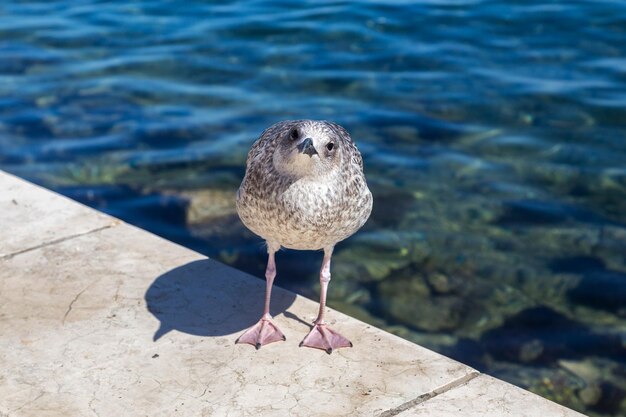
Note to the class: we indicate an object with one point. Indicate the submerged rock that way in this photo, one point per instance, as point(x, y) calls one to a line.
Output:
point(601, 289)
point(442, 283)
point(411, 302)
point(209, 205)
point(541, 335)
point(590, 395)
point(604, 389)
point(211, 213)
point(374, 256)
point(555, 384)
point(530, 351)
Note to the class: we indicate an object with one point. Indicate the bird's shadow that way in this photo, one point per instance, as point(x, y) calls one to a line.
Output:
point(207, 298)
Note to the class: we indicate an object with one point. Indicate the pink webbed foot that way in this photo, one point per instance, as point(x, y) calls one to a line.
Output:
point(262, 333)
point(323, 337)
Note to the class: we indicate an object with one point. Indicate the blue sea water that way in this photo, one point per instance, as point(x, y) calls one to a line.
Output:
point(493, 134)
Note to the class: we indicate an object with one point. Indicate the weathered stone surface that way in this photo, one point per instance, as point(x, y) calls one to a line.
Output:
point(79, 319)
point(32, 216)
point(487, 396)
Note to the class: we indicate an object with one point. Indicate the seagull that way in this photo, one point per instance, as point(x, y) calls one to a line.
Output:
point(304, 189)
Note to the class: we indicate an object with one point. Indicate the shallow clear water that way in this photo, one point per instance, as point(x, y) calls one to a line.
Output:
point(493, 135)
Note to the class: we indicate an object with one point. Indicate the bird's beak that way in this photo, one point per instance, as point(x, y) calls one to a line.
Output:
point(307, 148)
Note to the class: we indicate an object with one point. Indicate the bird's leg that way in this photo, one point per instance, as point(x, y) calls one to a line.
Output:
point(321, 336)
point(265, 331)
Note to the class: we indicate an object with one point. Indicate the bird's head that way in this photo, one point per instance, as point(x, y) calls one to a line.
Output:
point(310, 148)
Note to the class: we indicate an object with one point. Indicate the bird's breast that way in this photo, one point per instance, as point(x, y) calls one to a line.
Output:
point(312, 200)
point(306, 214)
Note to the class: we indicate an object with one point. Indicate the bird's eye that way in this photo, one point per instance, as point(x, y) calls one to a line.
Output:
point(294, 134)
point(330, 146)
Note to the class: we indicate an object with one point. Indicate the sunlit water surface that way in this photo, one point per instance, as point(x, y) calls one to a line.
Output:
point(493, 134)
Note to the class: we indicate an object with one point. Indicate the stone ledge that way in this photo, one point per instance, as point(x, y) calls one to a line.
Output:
point(487, 396)
point(33, 216)
point(99, 317)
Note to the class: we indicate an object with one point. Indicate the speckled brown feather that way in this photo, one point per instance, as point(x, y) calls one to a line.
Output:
point(309, 212)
